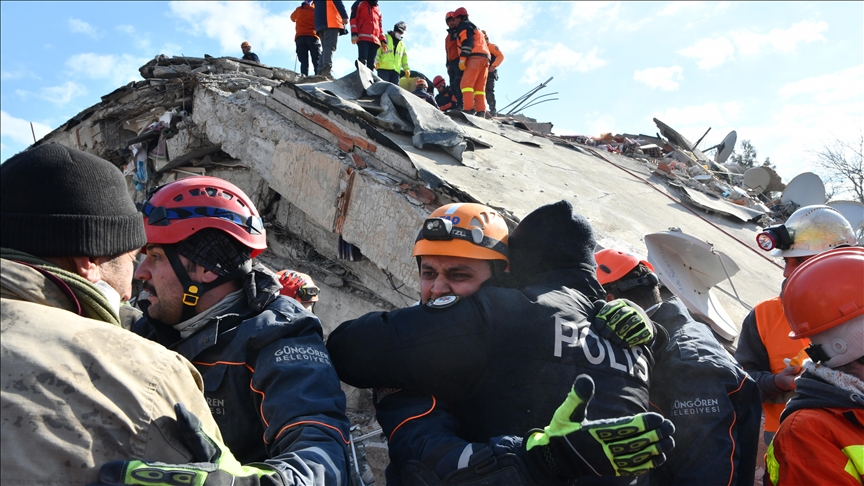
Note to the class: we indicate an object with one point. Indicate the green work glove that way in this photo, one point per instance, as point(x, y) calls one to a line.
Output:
point(571, 447)
point(623, 323)
point(218, 466)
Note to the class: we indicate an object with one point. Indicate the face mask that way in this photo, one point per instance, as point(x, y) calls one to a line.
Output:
point(111, 295)
point(397, 35)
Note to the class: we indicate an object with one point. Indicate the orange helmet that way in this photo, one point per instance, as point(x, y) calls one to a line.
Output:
point(614, 264)
point(465, 230)
point(824, 300)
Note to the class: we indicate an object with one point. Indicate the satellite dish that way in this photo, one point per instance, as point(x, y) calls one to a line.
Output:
point(756, 180)
point(805, 189)
point(854, 213)
point(725, 148)
point(689, 268)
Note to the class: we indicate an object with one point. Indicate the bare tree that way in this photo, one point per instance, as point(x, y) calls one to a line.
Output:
point(843, 164)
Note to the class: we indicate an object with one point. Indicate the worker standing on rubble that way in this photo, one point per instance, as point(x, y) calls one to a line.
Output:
point(497, 361)
point(421, 91)
point(330, 21)
point(446, 98)
point(452, 50)
point(393, 55)
point(711, 400)
point(367, 31)
point(267, 375)
point(764, 348)
point(305, 39)
point(496, 57)
point(473, 62)
point(299, 287)
point(821, 434)
point(248, 55)
point(78, 390)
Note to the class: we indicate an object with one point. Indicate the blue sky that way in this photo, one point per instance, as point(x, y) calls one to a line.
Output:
point(788, 76)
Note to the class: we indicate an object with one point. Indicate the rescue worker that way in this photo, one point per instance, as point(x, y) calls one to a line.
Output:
point(452, 51)
point(421, 91)
point(78, 390)
point(711, 400)
point(267, 375)
point(330, 21)
point(305, 39)
point(821, 434)
point(446, 98)
point(469, 345)
point(367, 31)
point(300, 287)
point(393, 55)
point(764, 346)
point(248, 54)
point(473, 62)
point(496, 57)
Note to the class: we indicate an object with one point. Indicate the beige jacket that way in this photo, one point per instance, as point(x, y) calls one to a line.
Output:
point(76, 392)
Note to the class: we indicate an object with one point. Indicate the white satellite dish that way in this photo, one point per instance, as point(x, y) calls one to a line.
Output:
point(756, 180)
point(725, 148)
point(805, 189)
point(689, 268)
point(854, 213)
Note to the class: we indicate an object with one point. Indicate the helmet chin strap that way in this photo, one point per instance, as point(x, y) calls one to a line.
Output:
point(192, 290)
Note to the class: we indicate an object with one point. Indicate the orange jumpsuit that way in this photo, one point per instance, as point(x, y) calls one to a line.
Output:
point(474, 53)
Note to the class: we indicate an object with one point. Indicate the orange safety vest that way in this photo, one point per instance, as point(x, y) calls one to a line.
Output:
point(774, 333)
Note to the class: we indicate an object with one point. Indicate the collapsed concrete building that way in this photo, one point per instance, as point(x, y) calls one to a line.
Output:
point(344, 172)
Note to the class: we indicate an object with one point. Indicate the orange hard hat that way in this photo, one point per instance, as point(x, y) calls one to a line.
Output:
point(614, 264)
point(465, 230)
point(825, 291)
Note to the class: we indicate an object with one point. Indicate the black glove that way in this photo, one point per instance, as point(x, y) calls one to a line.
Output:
point(571, 447)
point(218, 466)
point(622, 322)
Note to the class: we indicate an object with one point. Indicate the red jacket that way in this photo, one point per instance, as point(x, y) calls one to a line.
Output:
point(304, 16)
point(366, 23)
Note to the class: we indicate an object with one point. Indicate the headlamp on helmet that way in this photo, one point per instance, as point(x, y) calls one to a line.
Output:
point(774, 237)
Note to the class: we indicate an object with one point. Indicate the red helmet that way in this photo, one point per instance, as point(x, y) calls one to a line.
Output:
point(438, 81)
point(460, 12)
point(448, 16)
point(614, 264)
point(178, 210)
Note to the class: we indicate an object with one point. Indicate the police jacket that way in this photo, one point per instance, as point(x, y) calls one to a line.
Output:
point(271, 388)
point(821, 435)
point(713, 403)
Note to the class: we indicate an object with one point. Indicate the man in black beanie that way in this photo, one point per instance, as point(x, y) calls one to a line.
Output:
point(480, 367)
point(78, 390)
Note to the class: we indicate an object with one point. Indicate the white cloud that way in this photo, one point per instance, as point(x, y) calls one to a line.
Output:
point(18, 74)
point(59, 95)
point(78, 26)
point(708, 114)
point(601, 124)
point(710, 52)
point(589, 12)
point(843, 85)
point(548, 59)
point(18, 129)
point(783, 40)
point(117, 69)
point(673, 8)
point(660, 77)
point(126, 29)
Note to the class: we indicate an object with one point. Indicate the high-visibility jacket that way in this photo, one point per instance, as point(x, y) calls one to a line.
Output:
point(304, 16)
point(396, 57)
point(497, 55)
point(450, 46)
point(330, 14)
point(470, 41)
point(366, 22)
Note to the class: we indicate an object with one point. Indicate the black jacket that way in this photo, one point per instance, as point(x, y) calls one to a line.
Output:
point(713, 403)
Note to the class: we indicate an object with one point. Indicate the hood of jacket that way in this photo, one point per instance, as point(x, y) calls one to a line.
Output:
point(814, 392)
point(554, 244)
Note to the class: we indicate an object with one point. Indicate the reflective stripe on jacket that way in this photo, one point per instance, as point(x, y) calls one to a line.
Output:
point(304, 16)
point(396, 58)
point(470, 41)
point(366, 22)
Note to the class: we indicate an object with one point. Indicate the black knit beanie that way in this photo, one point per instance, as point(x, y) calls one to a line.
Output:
point(59, 201)
point(214, 250)
point(551, 237)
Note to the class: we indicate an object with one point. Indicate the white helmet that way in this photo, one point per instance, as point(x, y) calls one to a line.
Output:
point(809, 231)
